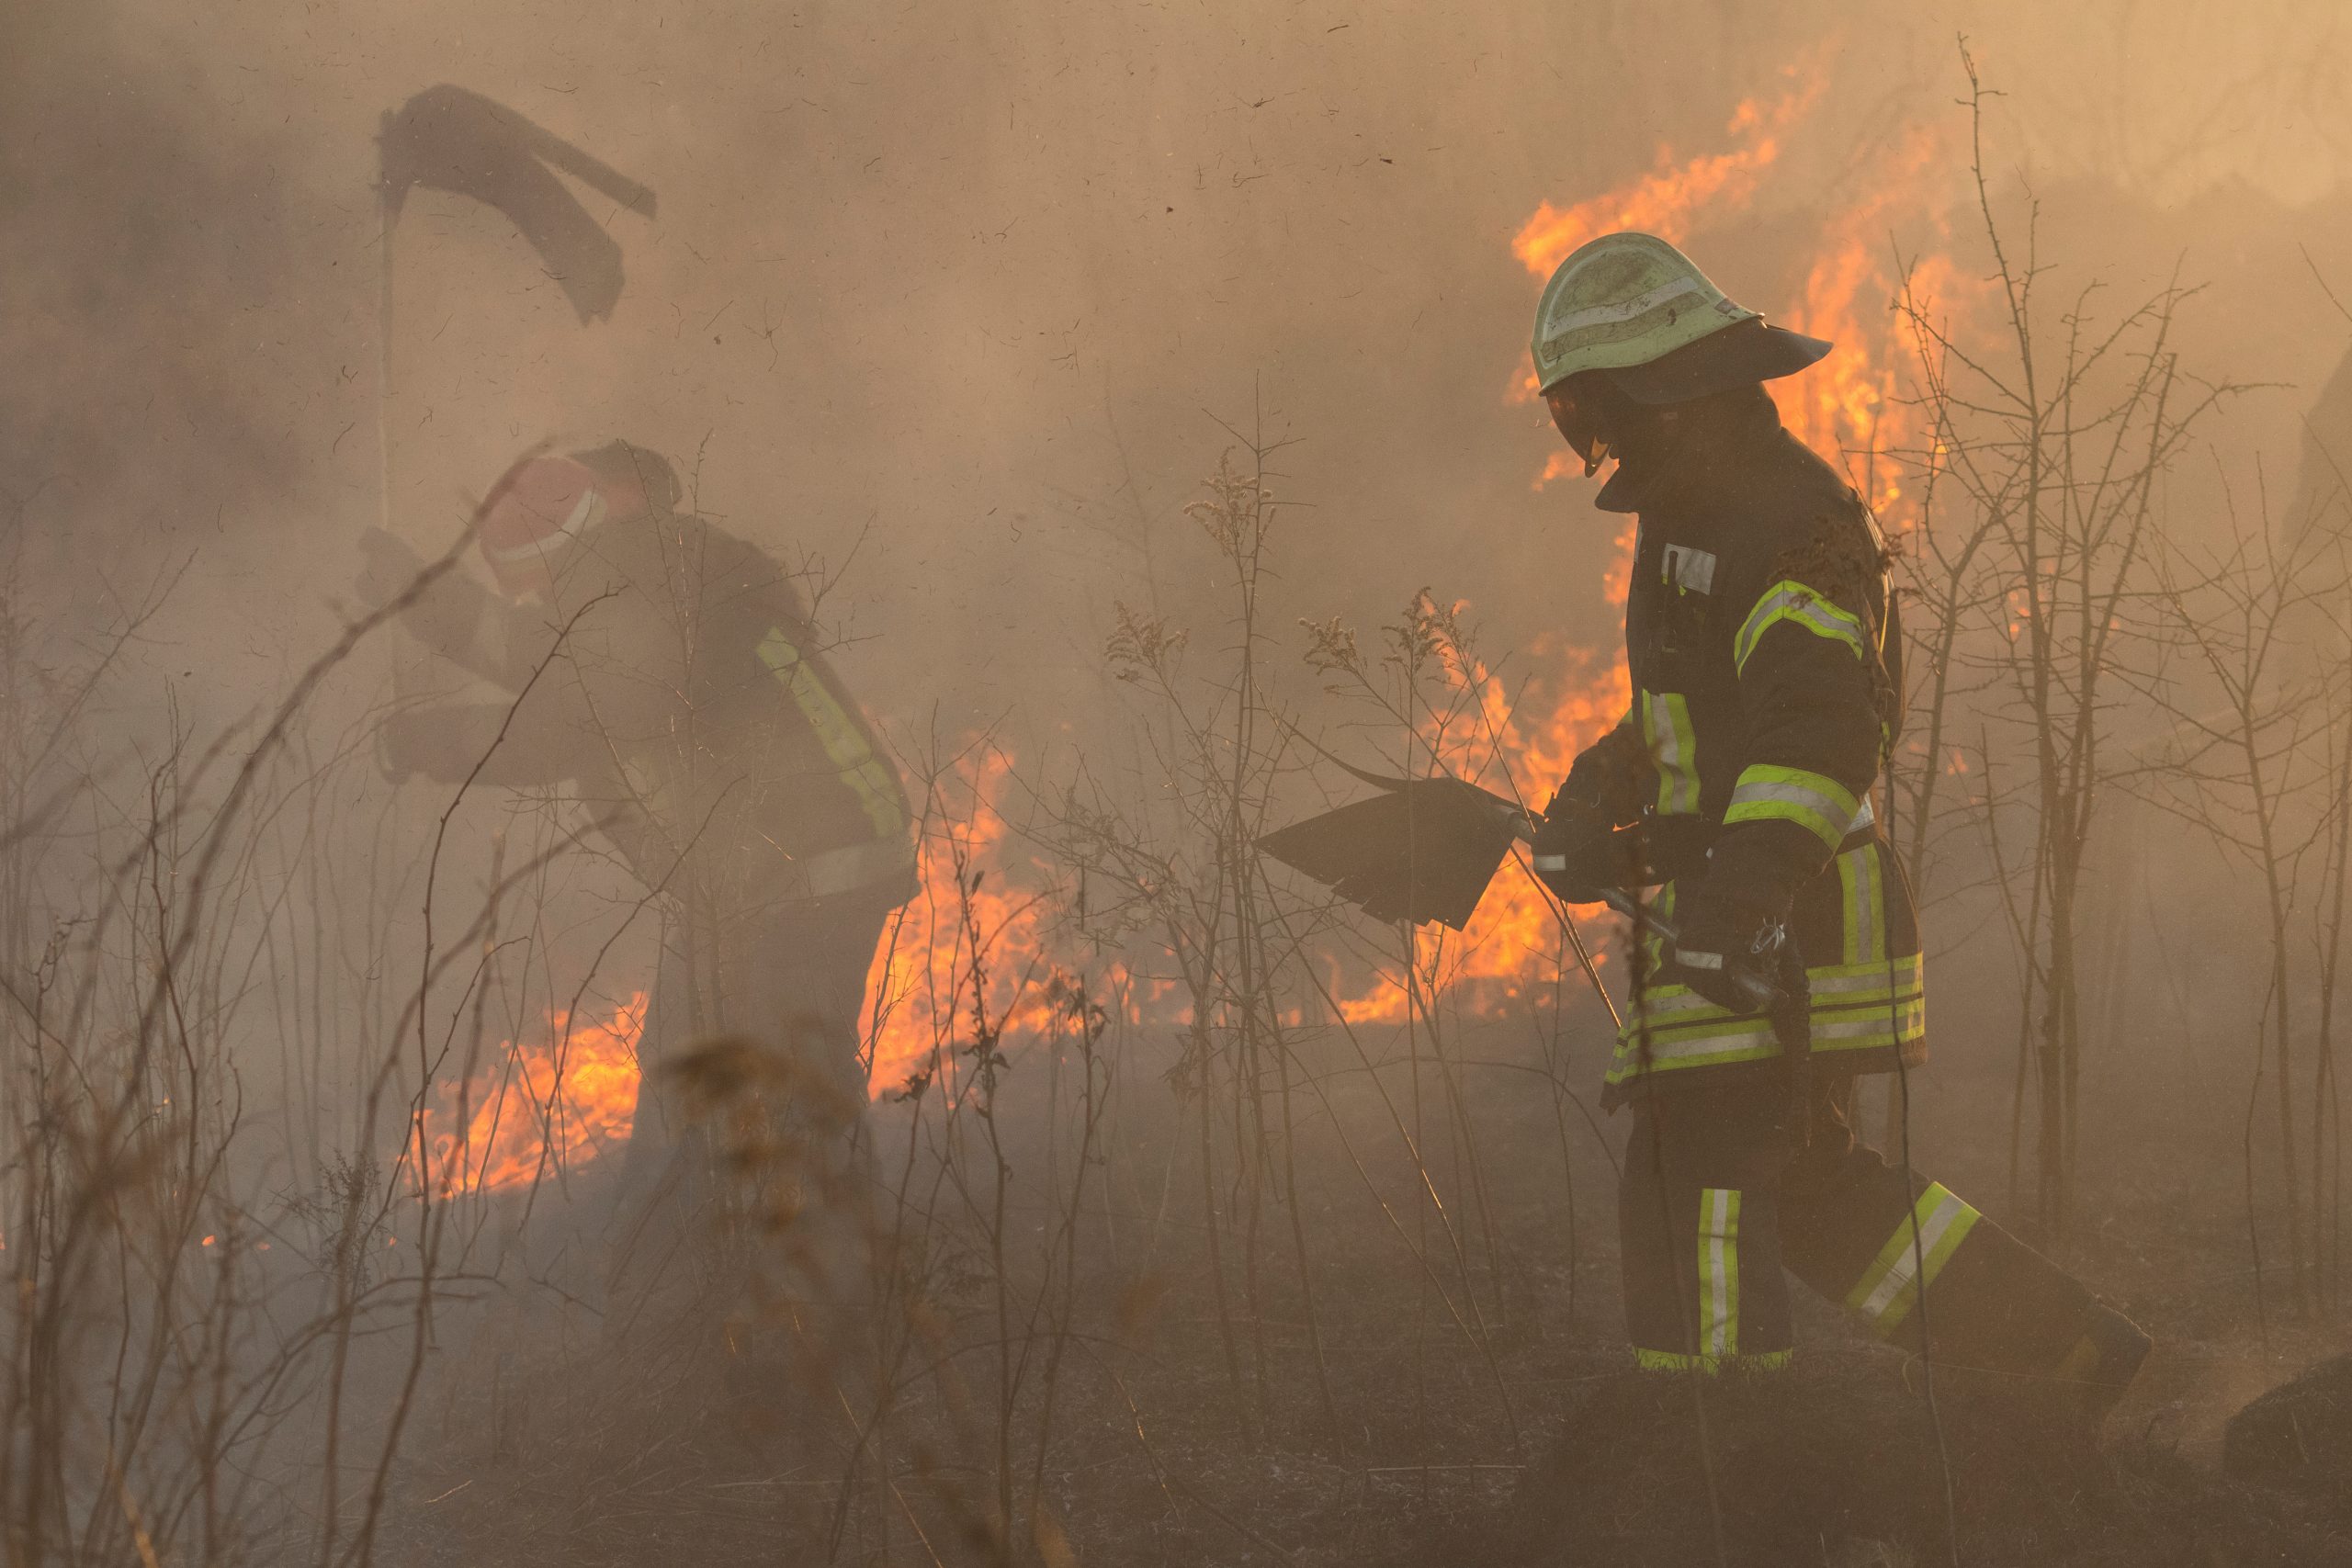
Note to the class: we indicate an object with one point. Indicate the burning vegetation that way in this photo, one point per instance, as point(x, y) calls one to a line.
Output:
point(787, 1041)
point(545, 1104)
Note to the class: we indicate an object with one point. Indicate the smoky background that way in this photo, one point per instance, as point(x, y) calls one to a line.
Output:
point(974, 281)
point(967, 300)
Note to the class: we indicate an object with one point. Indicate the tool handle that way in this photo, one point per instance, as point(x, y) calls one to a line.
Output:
point(1631, 908)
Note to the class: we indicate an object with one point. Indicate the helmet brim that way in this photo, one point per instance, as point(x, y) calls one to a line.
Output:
point(1737, 357)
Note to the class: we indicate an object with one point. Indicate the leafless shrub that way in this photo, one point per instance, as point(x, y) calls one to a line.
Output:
point(2044, 456)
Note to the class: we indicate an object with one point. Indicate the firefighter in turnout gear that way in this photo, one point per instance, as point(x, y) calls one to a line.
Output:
point(1766, 658)
point(665, 676)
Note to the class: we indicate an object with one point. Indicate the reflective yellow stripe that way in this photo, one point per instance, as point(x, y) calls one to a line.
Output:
point(1855, 1007)
point(1719, 1270)
point(1862, 893)
point(1655, 951)
point(1886, 1292)
point(845, 741)
point(1799, 606)
point(1751, 1041)
point(1709, 1366)
point(1674, 748)
point(1815, 802)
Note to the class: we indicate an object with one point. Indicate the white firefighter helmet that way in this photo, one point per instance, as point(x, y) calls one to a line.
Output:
point(1626, 303)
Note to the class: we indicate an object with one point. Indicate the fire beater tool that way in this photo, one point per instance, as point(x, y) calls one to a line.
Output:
point(447, 138)
point(1426, 850)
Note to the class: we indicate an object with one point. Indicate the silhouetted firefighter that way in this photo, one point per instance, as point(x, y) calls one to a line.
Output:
point(681, 697)
point(1766, 665)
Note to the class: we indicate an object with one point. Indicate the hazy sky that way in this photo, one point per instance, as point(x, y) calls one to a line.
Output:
point(974, 278)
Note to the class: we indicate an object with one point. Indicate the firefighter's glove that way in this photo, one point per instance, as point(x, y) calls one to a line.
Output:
point(1734, 951)
point(387, 567)
point(1580, 855)
point(1613, 775)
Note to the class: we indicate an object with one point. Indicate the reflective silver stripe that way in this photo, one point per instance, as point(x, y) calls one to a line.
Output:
point(1839, 989)
point(1911, 1015)
point(1625, 1071)
point(1870, 977)
point(1871, 1027)
point(1746, 1034)
point(1767, 792)
point(1885, 1293)
point(1621, 310)
point(1795, 602)
point(1550, 862)
point(1832, 811)
point(1656, 1007)
point(1838, 985)
point(1853, 1009)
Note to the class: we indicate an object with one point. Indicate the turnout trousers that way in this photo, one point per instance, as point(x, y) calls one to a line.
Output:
point(786, 985)
point(1720, 1196)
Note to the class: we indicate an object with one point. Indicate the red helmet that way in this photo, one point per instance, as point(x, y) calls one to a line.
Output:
point(533, 515)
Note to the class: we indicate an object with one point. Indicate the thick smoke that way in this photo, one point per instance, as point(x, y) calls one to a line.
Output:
point(978, 288)
point(965, 300)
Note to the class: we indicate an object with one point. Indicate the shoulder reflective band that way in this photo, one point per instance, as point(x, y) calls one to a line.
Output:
point(1674, 747)
point(1794, 602)
point(1813, 801)
point(1719, 1270)
point(1887, 1290)
point(843, 741)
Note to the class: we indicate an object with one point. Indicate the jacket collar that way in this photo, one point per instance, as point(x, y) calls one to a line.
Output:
point(1707, 443)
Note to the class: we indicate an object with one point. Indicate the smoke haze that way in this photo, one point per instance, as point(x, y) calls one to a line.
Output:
point(977, 282)
point(964, 302)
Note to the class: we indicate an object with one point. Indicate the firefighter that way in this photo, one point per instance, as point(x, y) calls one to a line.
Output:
point(678, 692)
point(1766, 657)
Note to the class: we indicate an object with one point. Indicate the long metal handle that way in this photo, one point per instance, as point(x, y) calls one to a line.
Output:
point(1633, 909)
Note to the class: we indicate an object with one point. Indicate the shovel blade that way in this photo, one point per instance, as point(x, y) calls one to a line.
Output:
point(1420, 853)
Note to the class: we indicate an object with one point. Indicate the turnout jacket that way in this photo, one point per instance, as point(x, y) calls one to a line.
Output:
point(677, 691)
point(1765, 664)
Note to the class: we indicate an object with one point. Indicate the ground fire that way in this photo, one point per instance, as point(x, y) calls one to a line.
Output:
point(540, 1107)
point(1052, 785)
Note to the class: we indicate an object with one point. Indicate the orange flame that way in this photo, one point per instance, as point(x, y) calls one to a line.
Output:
point(542, 1106)
point(1847, 405)
point(978, 897)
point(1662, 201)
point(974, 902)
